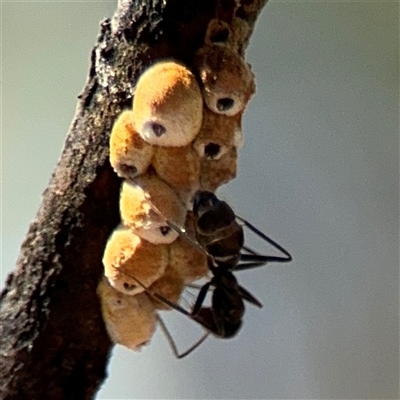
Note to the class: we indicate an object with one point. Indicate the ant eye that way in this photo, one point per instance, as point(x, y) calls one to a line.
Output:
point(211, 150)
point(165, 230)
point(225, 104)
point(156, 128)
point(128, 286)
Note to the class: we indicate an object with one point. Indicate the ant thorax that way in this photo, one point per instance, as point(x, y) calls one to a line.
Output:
point(219, 233)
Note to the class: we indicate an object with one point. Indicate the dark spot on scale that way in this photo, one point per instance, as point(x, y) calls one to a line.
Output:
point(220, 36)
point(129, 286)
point(158, 129)
point(128, 169)
point(225, 104)
point(211, 150)
point(165, 230)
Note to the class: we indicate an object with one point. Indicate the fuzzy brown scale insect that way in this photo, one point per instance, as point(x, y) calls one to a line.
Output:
point(127, 254)
point(130, 154)
point(130, 320)
point(180, 168)
point(227, 80)
point(219, 131)
point(215, 173)
point(137, 214)
point(166, 268)
point(168, 105)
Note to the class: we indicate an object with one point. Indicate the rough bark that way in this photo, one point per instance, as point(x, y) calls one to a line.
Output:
point(53, 344)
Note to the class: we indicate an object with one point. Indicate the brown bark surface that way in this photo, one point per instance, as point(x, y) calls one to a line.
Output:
point(53, 343)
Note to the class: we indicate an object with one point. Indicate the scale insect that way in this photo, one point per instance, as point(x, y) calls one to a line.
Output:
point(219, 235)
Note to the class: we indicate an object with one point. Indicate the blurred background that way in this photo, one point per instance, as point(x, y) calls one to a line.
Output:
point(318, 173)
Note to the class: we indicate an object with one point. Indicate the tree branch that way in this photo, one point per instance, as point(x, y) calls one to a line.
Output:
point(53, 343)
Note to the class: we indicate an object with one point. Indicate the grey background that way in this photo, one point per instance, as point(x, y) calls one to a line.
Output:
point(318, 173)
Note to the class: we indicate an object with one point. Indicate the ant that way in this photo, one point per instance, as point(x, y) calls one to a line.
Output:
point(219, 235)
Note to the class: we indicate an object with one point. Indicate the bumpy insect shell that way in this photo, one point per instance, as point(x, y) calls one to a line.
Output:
point(191, 262)
point(137, 213)
point(130, 320)
point(130, 154)
point(170, 286)
point(234, 35)
point(227, 80)
point(127, 256)
point(215, 173)
point(186, 265)
point(180, 168)
point(217, 144)
point(167, 105)
point(218, 134)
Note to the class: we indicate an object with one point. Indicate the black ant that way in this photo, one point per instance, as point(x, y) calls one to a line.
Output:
point(220, 236)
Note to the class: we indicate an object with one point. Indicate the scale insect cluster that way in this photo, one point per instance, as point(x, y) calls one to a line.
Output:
point(178, 144)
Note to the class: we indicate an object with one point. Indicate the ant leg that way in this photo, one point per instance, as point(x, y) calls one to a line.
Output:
point(249, 250)
point(249, 265)
point(177, 307)
point(199, 319)
point(269, 240)
point(157, 296)
point(250, 259)
point(262, 259)
point(167, 334)
point(173, 344)
point(246, 264)
point(249, 297)
point(194, 286)
point(200, 298)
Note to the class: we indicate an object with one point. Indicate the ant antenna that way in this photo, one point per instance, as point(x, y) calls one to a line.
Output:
point(180, 230)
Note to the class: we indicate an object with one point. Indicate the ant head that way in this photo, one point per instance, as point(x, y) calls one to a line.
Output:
point(203, 201)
